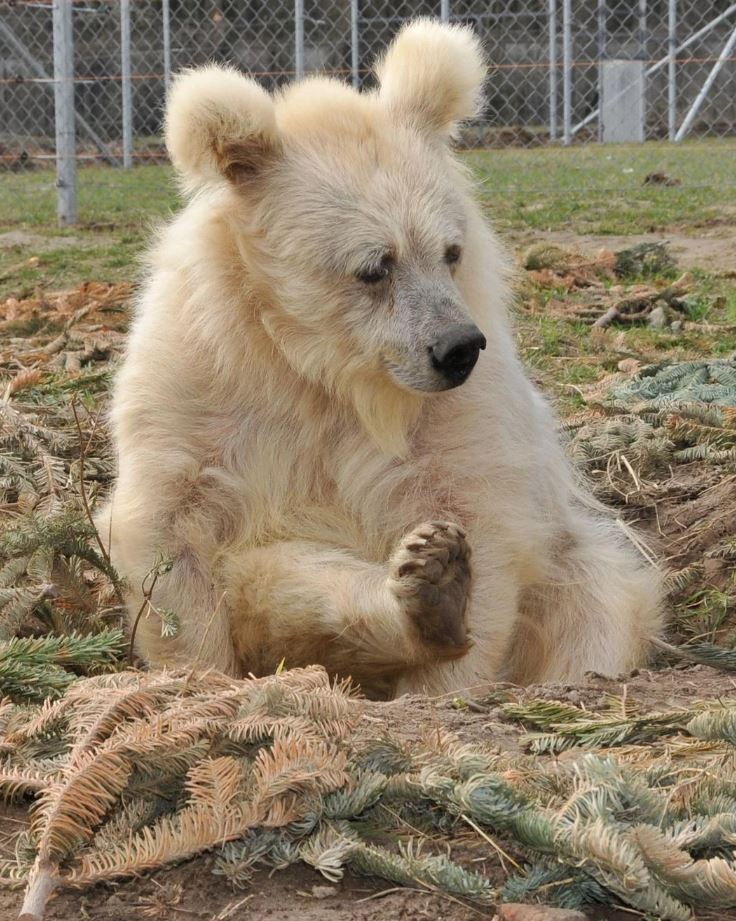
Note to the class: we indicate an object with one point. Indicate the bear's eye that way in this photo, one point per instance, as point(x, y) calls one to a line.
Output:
point(452, 254)
point(377, 273)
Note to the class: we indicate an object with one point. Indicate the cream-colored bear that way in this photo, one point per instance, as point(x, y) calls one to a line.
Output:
point(322, 422)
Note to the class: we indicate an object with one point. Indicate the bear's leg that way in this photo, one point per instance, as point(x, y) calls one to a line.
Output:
point(202, 636)
point(306, 602)
point(595, 613)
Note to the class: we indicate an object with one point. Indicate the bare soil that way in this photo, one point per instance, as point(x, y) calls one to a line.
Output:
point(37, 242)
point(713, 249)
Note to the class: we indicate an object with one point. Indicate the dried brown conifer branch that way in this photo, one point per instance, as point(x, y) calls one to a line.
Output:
point(134, 771)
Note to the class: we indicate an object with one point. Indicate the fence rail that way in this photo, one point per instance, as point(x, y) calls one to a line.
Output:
point(85, 80)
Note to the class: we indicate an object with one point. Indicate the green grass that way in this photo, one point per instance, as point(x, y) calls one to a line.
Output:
point(600, 190)
point(117, 210)
point(590, 189)
point(714, 298)
point(107, 197)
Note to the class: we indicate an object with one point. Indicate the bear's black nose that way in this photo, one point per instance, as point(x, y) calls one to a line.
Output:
point(454, 355)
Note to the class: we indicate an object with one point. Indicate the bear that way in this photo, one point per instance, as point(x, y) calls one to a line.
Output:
point(328, 449)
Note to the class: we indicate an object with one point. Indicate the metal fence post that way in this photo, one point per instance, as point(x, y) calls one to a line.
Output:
point(355, 42)
point(66, 164)
point(299, 38)
point(552, 23)
point(672, 71)
point(602, 48)
point(567, 71)
point(445, 10)
point(166, 26)
point(643, 34)
point(126, 85)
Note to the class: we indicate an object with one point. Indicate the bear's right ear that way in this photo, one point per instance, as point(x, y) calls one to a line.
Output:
point(220, 123)
point(432, 75)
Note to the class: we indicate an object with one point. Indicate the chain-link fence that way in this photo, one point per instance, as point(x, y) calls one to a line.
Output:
point(84, 81)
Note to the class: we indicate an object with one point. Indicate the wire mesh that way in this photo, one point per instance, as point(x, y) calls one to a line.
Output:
point(562, 72)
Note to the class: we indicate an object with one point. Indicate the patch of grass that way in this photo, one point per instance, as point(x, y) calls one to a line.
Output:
point(89, 385)
point(67, 266)
point(591, 189)
point(601, 190)
point(108, 198)
point(560, 354)
point(581, 374)
point(655, 344)
point(714, 299)
point(117, 209)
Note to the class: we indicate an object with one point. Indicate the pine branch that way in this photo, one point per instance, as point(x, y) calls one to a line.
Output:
point(36, 668)
point(275, 847)
point(555, 883)
point(571, 726)
point(135, 771)
point(702, 654)
point(710, 881)
point(409, 866)
point(16, 782)
point(719, 723)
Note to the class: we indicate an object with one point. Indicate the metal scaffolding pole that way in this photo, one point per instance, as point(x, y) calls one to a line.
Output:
point(602, 49)
point(672, 70)
point(166, 24)
point(700, 99)
point(355, 42)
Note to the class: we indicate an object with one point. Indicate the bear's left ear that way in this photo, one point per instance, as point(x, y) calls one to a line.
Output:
point(220, 124)
point(432, 75)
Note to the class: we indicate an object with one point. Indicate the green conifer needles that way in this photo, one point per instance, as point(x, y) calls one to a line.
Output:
point(133, 771)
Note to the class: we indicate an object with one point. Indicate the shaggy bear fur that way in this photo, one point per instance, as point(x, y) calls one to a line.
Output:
point(293, 439)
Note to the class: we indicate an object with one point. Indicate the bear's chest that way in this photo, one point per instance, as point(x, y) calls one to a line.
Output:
point(336, 486)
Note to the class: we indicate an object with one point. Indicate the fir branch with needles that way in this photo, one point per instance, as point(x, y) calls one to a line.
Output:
point(132, 771)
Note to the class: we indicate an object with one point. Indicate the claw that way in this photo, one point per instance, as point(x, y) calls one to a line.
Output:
point(433, 570)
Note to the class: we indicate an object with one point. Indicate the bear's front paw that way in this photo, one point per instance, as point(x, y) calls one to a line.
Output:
point(430, 576)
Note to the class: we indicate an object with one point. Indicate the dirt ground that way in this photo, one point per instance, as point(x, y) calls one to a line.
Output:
point(712, 250)
point(295, 894)
point(301, 894)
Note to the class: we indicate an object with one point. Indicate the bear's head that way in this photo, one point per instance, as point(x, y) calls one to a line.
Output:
point(350, 213)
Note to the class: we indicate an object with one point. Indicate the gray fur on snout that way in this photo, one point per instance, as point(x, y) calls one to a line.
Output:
point(424, 309)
